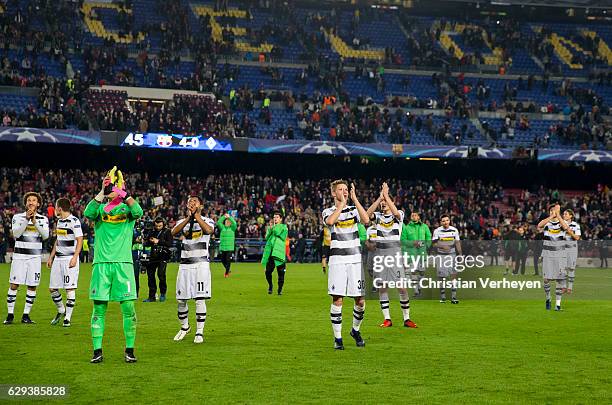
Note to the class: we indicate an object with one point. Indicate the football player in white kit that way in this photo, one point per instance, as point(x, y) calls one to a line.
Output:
point(554, 254)
point(345, 275)
point(445, 239)
point(388, 224)
point(29, 230)
point(64, 260)
point(193, 278)
point(571, 248)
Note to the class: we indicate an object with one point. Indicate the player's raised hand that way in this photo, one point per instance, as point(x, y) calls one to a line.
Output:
point(385, 189)
point(353, 194)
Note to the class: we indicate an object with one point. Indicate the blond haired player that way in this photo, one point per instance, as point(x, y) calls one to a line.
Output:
point(345, 276)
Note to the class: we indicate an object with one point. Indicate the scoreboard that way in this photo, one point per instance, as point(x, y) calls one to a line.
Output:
point(175, 141)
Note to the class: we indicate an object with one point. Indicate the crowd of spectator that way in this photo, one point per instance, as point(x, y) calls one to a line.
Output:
point(480, 210)
point(44, 31)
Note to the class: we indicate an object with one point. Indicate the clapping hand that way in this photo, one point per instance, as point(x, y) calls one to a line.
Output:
point(385, 190)
point(353, 194)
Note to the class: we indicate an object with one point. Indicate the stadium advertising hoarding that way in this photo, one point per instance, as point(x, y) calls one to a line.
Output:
point(597, 156)
point(206, 142)
point(375, 149)
point(59, 136)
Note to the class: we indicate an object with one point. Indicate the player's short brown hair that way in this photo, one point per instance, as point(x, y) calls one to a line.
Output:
point(32, 194)
point(570, 211)
point(63, 203)
point(444, 216)
point(336, 183)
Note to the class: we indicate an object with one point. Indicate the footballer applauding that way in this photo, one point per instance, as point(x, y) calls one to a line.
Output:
point(193, 277)
point(29, 230)
point(345, 276)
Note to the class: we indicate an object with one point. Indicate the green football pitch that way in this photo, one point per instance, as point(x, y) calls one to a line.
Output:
point(262, 348)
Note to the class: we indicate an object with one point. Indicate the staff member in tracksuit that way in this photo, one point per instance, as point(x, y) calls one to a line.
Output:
point(227, 241)
point(275, 253)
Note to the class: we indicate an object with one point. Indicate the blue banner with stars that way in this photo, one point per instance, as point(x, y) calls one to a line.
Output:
point(374, 149)
point(38, 135)
point(594, 156)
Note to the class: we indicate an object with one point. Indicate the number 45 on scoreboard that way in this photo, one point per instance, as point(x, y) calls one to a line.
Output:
point(133, 140)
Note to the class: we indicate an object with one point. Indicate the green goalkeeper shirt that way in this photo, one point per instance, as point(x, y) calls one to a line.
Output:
point(113, 231)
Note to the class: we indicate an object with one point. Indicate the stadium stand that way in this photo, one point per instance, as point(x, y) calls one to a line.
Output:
point(359, 56)
point(480, 209)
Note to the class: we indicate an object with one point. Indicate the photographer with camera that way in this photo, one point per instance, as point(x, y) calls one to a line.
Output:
point(160, 240)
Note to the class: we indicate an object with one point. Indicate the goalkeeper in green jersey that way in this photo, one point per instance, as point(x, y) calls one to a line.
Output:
point(114, 214)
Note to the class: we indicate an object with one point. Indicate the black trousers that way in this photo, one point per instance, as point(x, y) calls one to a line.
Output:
point(226, 260)
point(495, 258)
point(160, 269)
point(520, 260)
point(281, 274)
point(536, 259)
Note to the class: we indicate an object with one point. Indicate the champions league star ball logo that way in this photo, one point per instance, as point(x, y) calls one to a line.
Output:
point(27, 135)
point(492, 153)
point(458, 152)
point(320, 148)
point(592, 156)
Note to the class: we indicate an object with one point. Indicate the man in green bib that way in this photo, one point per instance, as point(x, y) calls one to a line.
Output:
point(275, 252)
point(112, 277)
point(227, 237)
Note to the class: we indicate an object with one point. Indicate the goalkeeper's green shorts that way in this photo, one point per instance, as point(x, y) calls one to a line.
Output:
point(112, 282)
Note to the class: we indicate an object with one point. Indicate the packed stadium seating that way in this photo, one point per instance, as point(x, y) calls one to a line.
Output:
point(349, 51)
